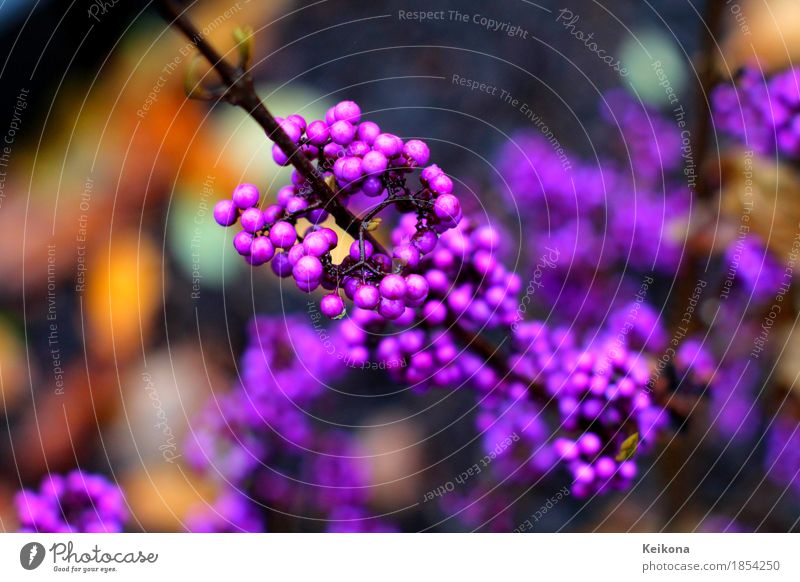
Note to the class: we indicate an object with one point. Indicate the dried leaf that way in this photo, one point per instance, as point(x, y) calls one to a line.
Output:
point(628, 448)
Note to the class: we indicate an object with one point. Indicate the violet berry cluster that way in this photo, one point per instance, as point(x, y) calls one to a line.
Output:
point(77, 502)
point(763, 113)
point(355, 158)
point(466, 286)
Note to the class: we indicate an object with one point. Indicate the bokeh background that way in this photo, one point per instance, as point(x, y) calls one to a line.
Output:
point(106, 228)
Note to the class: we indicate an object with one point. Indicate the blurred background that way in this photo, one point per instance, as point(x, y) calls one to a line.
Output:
point(117, 290)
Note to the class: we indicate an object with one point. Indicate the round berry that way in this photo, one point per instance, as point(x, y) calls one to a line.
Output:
point(388, 144)
point(225, 213)
point(590, 444)
point(262, 250)
point(272, 213)
point(252, 220)
point(406, 255)
point(393, 287)
point(296, 253)
point(430, 173)
point(330, 234)
point(441, 184)
point(282, 234)
point(447, 208)
point(296, 205)
point(298, 120)
point(374, 163)
point(372, 186)
point(332, 306)
point(347, 170)
point(486, 238)
point(333, 151)
point(279, 156)
point(242, 242)
point(435, 312)
point(358, 149)
point(417, 152)
point(355, 251)
point(391, 308)
point(416, 287)
point(316, 244)
point(292, 130)
point(330, 115)
point(347, 111)
point(368, 131)
point(281, 265)
point(308, 268)
point(437, 281)
point(285, 194)
point(245, 196)
point(425, 240)
point(342, 132)
point(367, 297)
point(318, 133)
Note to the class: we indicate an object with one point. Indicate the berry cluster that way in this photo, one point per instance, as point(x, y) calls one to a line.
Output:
point(603, 398)
point(763, 113)
point(355, 158)
point(465, 283)
point(77, 502)
point(267, 447)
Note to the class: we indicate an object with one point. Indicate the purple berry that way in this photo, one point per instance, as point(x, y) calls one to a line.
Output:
point(435, 312)
point(318, 133)
point(407, 255)
point(425, 240)
point(281, 265)
point(272, 213)
point(430, 173)
point(296, 253)
point(372, 186)
point(252, 220)
point(355, 251)
point(393, 287)
point(279, 156)
point(368, 131)
point(225, 213)
point(441, 184)
point(374, 163)
point(590, 444)
point(342, 132)
point(296, 205)
point(347, 170)
point(388, 144)
point(308, 268)
point(367, 297)
point(391, 308)
point(332, 306)
point(417, 152)
point(316, 244)
point(447, 208)
point(347, 111)
point(282, 234)
point(330, 234)
point(245, 196)
point(416, 287)
point(242, 242)
point(262, 250)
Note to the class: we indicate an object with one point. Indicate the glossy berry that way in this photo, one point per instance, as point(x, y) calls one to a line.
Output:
point(225, 213)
